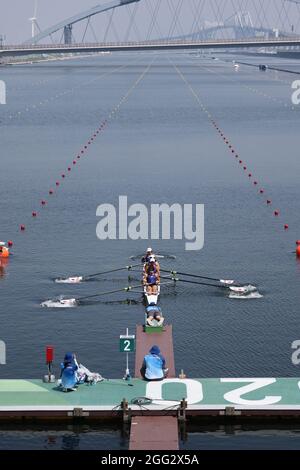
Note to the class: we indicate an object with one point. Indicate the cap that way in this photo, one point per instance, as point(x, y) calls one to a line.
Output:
point(155, 350)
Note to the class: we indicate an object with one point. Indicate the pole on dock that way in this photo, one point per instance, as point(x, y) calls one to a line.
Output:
point(127, 345)
point(49, 378)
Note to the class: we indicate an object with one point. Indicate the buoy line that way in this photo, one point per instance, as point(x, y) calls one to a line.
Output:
point(66, 92)
point(252, 89)
point(226, 140)
point(84, 150)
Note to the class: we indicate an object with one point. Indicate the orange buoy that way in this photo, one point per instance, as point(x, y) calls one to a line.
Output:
point(298, 251)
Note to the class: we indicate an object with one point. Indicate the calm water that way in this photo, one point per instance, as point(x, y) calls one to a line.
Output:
point(160, 148)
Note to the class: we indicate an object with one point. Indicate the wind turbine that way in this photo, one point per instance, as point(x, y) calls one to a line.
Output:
point(34, 23)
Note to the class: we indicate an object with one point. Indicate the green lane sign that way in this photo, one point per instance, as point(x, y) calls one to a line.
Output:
point(127, 343)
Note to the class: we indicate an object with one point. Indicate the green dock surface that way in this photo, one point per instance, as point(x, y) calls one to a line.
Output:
point(201, 394)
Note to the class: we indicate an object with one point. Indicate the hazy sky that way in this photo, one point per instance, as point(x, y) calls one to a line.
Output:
point(15, 14)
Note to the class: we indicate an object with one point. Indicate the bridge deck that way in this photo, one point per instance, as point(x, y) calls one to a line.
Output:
point(18, 50)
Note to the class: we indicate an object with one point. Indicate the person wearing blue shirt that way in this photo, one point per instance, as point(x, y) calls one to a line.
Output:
point(68, 372)
point(153, 312)
point(154, 365)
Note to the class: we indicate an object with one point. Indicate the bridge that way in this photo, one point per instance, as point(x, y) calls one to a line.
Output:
point(147, 46)
point(141, 25)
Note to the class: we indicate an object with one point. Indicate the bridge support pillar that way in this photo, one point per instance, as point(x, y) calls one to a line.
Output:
point(68, 34)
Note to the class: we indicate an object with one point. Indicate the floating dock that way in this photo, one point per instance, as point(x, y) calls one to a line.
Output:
point(154, 432)
point(182, 399)
point(213, 398)
point(145, 340)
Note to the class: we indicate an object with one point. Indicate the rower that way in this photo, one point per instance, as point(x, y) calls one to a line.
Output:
point(147, 256)
point(152, 266)
point(151, 281)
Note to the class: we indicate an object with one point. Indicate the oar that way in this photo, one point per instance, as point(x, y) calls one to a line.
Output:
point(124, 268)
point(236, 289)
point(223, 281)
point(176, 279)
point(125, 289)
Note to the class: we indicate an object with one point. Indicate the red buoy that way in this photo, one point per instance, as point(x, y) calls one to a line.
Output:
point(286, 227)
point(245, 168)
point(276, 213)
point(57, 183)
point(34, 214)
point(298, 242)
point(240, 162)
point(298, 251)
point(255, 183)
point(51, 192)
point(261, 191)
point(63, 175)
point(250, 175)
point(43, 203)
point(269, 201)
point(22, 227)
point(74, 162)
point(69, 168)
point(10, 243)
